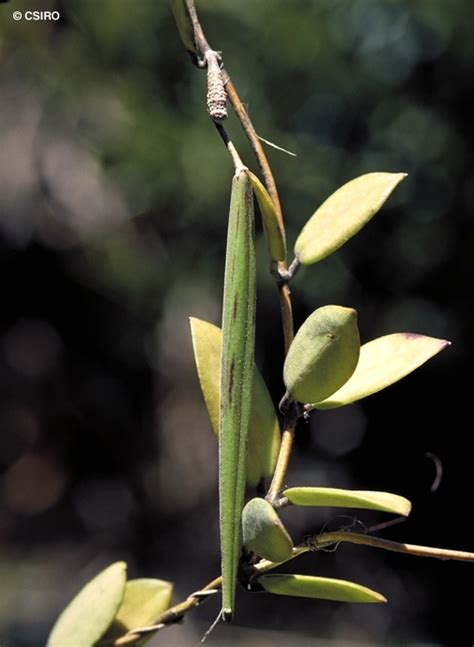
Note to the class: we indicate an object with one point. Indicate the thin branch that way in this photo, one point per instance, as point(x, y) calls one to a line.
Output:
point(238, 164)
point(199, 38)
point(328, 538)
point(172, 615)
point(279, 475)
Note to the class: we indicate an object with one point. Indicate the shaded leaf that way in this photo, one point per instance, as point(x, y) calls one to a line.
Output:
point(264, 533)
point(325, 496)
point(382, 362)
point(88, 616)
point(274, 232)
point(324, 588)
point(323, 354)
point(184, 24)
point(144, 600)
point(343, 214)
point(264, 432)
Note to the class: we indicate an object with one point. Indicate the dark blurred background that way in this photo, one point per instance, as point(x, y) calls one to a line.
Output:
point(114, 191)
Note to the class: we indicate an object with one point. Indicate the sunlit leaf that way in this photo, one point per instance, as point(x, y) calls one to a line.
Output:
point(324, 588)
point(382, 362)
point(264, 533)
point(264, 432)
point(92, 611)
point(325, 496)
point(142, 603)
point(275, 234)
point(343, 214)
point(323, 354)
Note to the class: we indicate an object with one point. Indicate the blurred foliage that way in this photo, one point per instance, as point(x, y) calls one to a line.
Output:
point(114, 191)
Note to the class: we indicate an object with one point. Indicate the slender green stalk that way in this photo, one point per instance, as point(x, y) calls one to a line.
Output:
point(238, 340)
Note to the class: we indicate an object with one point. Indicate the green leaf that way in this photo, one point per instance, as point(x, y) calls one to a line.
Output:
point(92, 611)
point(144, 600)
point(343, 214)
point(323, 354)
point(274, 232)
point(333, 497)
point(237, 370)
point(324, 588)
point(264, 432)
point(184, 24)
point(263, 532)
point(382, 362)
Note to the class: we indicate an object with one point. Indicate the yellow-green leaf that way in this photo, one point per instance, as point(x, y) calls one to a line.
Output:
point(324, 588)
point(184, 24)
point(343, 214)
point(263, 532)
point(264, 432)
point(85, 620)
point(142, 603)
point(382, 362)
point(323, 354)
point(333, 497)
point(274, 231)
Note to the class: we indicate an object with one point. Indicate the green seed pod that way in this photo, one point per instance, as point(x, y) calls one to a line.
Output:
point(323, 354)
point(264, 533)
point(237, 370)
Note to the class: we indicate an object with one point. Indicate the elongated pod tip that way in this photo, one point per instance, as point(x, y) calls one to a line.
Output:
point(227, 615)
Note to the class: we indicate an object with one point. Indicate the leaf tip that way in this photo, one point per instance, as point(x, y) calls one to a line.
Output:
point(405, 507)
point(442, 343)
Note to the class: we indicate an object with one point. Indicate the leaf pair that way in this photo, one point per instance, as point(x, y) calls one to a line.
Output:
point(326, 367)
point(108, 607)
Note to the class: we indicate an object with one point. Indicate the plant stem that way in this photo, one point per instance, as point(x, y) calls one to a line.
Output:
point(238, 164)
point(172, 615)
point(327, 538)
point(279, 475)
